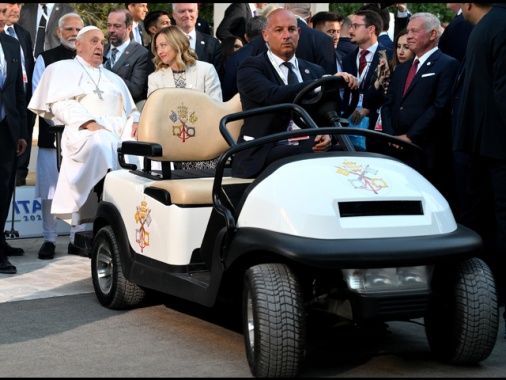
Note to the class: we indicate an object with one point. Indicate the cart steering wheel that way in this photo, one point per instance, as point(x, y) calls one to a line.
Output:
point(325, 106)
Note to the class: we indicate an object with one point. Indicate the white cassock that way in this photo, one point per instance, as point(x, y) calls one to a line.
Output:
point(68, 92)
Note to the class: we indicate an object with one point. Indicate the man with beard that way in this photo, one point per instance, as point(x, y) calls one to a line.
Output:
point(46, 172)
point(125, 57)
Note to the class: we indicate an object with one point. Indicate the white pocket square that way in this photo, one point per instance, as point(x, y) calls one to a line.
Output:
point(428, 75)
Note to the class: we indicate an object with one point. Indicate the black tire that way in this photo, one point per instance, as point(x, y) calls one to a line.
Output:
point(113, 290)
point(274, 321)
point(463, 318)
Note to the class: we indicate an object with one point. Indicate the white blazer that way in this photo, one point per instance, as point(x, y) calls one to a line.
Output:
point(202, 76)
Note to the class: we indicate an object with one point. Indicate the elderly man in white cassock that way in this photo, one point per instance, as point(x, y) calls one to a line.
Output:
point(98, 112)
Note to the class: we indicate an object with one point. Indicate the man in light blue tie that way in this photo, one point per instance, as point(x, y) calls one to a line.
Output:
point(138, 11)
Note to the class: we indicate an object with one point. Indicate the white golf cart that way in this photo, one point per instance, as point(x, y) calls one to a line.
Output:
point(356, 234)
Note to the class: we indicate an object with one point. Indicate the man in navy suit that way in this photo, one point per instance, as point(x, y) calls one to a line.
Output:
point(207, 47)
point(131, 62)
point(254, 29)
point(15, 30)
point(264, 80)
point(13, 132)
point(314, 45)
point(420, 111)
point(364, 32)
point(481, 133)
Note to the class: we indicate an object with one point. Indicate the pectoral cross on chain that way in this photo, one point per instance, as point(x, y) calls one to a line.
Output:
point(99, 92)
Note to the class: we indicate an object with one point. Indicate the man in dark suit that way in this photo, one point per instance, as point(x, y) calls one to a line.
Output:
point(207, 47)
point(383, 38)
point(265, 80)
point(13, 132)
point(23, 36)
point(314, 45)
point(153, 22)
point(139, 12)
point(364, 33)
point(330, 23)
point(234, 21)
point(454, 40)
point(419, 111)
point(130, 60)
point(481, 133)
point(254, 29)
point(30, 17)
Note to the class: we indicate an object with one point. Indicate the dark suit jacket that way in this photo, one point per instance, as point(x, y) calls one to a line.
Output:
point(234, 21)
point(28, 20)
point(344, 45)
point(387, 43)
point(260, 85)
point(13, 95)
point(314, 46)
point(424, 113)
point(229, 82)
point(13, 98)
point(134, 66)
point(454, 40)
point(208, 49)
point(372, 100)
point(481, 123)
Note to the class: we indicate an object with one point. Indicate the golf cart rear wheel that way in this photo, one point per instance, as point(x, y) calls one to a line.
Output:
point(463, 318)
point(274, 322)
point(112, 289)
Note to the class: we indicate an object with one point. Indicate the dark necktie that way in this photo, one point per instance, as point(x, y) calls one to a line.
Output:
point(362, 62)
point(112, 60)
point(411, 75)
point(41, 33)
point(292, 77)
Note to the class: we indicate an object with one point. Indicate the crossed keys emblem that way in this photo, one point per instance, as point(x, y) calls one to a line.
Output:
point(362, 177)
point(183, 131)
point(142, 216)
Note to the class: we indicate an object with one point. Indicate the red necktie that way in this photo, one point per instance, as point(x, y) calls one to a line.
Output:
point(411, 75)
point(362, 62)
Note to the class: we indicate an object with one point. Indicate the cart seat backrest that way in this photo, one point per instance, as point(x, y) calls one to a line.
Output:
point(185, 122)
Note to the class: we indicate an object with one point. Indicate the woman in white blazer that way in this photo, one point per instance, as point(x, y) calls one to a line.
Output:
point(176, 65)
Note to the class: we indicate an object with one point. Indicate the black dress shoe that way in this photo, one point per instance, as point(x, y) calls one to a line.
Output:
point(11, 251)
point(5, 266)
point(46, 252)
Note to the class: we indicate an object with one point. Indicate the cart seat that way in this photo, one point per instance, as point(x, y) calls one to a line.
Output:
point(185, 123)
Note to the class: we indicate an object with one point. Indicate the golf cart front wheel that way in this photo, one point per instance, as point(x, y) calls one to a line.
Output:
point(112, 289)
point(274, 322)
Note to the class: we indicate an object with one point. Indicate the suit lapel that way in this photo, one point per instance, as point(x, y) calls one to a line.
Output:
point(200, 43)
point(427, 65)
point(305, 72)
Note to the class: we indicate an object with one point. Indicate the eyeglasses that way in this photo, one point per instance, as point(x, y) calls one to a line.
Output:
point(355, 26)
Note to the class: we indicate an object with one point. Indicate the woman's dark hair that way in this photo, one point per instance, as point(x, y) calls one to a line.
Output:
point(228, 46)
point(395, 60)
